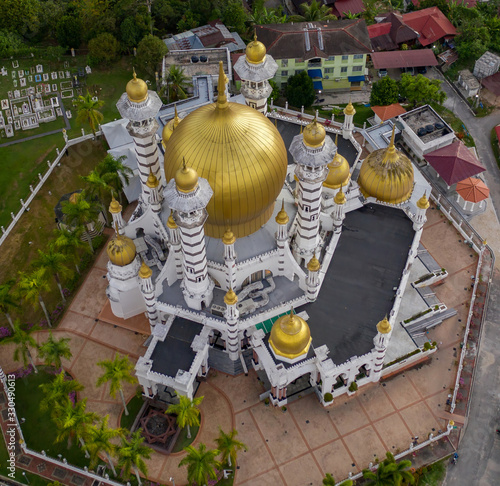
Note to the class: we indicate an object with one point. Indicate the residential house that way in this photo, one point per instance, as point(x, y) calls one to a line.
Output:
point(384, 113)
point(390, 33)
point(431, 25)
point(333, 52)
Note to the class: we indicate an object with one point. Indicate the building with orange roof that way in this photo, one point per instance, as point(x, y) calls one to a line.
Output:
point(431, 24)
point(383, 113)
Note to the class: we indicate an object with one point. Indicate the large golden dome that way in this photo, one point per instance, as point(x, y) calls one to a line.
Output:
point(290, 336)
point(121, 250)
point(339, 172)
point(137, 89)
point(314, 134)
point(387, 175)
point(241, 154)
point(255, 51)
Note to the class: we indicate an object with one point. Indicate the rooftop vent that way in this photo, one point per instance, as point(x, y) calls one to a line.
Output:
point(203, 58)
point(194, 59)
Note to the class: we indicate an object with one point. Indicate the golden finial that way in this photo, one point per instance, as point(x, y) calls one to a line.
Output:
point(423, 202)
point(282, 217)
point(171, 224)
point(221, 87)
point(230, 298)
point(301, 128)
point(340, 197)
point(384, 326)
point(337, 140)
point(145, 271)
point(134, 74)
point(114, 206)
point(228, 238)
point(152, 180)
point(118, 235)
point(313, 265)
point(255, 34)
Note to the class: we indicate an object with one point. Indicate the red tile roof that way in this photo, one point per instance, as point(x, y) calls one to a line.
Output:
point(473, 190)
point(389, 111)
point(492, 83)
point(377, 30)
point(234, 57)
point(400, 59)
point(454, 163)
point(431, 24)
point(342, 7)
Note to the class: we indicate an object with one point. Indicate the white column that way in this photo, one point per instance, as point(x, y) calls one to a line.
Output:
point(338, 213)
point(229, 258)
point(232, 315)
point(312, 281)
point(175, 245)
point(115, 208)
point(147, 289)
point(381, 341)
point(282, 237)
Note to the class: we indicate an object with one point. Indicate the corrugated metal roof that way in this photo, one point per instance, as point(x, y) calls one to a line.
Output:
point(402, 59)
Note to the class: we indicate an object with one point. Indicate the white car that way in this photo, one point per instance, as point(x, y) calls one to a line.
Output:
point(382, 73)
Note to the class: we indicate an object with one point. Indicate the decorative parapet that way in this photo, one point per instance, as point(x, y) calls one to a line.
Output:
point(430, 278)
point(425, 314)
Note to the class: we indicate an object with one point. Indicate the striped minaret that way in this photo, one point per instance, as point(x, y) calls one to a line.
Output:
point(282, 237)
point(381, 341)
point(229, 258)
point(231, 315)
point(155, 197)
point(313, 268)
point(348, 126)
point(175, 245)
point(420, 216)
point(338, 213)
point(147, 289)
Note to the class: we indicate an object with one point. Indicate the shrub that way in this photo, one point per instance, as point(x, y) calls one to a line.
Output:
point(328, 397)
point(353, 387)
point(103, 49)
point(427, 346)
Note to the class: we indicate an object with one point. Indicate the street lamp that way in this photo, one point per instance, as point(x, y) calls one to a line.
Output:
point(25, 477)
point(173, 482)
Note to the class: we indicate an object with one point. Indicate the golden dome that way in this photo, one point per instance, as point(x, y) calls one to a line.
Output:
point(423, 202)
point(137, 89)
point(387, 175)
point(384, 326)
point(186, 178)
point(314, 134)
point(282, 217)
point(290, 336)
point(349, 109)
point(152, 180)
point(339, 172)
point(340, 197)
point(171, 224)
point(145, 271)
point(230, 298)
point(121, 250)
point(256, 51)
point(114, 206)
point(228, 238)
point(313, 265)
point(169, 127)
point(241, 154)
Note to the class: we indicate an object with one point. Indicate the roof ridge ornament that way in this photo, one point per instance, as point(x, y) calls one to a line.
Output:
point(221, 88)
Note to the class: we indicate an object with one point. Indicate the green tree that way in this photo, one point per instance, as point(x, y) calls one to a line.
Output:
point(71, 244)
point(10, 42)
point(419, 90)
point(22, 338)
point(114, 173)
point(313, 12)
point(300, 90)
point(103, 49)
point(57, 391)
point(201, 464)
point(233, 15)
point(389, 473)
point(328, 480)
point(276, 92)
point(30, 287)
point(384, 92)
point(88, 111)
point(20, 16)
point(69, 31)
point(7, 301)
point(53, 350)
point(372, 9)
point(187, 411)
point(97, 186)
point(130, 33)
point(229, 446)
point(187, 21)
point(441, 4)
point(150, 52)
point(131, 455)
point(99, 439)
point(53, 262)
point(176, 86)
point(261, 15)
point(117, 372)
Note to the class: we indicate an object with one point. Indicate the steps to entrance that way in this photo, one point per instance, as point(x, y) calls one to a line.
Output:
point(219, 360)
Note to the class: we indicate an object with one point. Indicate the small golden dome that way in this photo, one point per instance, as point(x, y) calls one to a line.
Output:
point(137, 89)
point(349, 109)
point(114, 206)
point(313, 265)
point(256, 51)
point(169, 127)
point(171, 224)
point(314, 134)
point(339, 172)
point(384, 326)
point(290, 336)
point(282, 217)
point(228, 238)
point(145, 271)
point(423, 202)
point(152, 180)
point(340, 197)
point(186, 178)
point(230, 298)
point(387, 175)
point(121, 250)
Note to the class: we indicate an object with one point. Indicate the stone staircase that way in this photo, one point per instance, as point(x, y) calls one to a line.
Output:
point(417, 330)
point(219, 360)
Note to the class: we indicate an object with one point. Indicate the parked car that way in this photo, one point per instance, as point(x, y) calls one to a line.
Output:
point(421, 70)
point(382, 73)
point(408, 70)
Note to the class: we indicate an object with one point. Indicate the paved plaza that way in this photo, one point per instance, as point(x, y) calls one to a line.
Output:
point(298, 446)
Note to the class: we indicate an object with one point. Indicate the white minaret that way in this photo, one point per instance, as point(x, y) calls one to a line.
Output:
point(229, 258)
point(282, 237)
point(231, 314)
point(348, 125)
point(311, 151)
point(141, 106)
point(338, 213)
point(420, 216)
point(175, 245)
point(155, 197)
point(188, 196)
point(115, 208)
point(381, 341)
point(255, 71)
point(313, 268)
point(148, 292)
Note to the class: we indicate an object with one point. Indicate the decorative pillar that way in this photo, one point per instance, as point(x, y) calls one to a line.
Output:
point(381, 341)
point(115, 208)
point(348, 125)
point(312, 281)
point(420, 216)
point(338, 213)
point(231, 314)
point(175, 245)
point(147, 289)
point(282, 237)
point(155, 197)
point(229, 258)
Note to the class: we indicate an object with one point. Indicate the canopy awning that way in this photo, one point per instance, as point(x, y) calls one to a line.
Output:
point(355, 79)
point(314, 73)
point(473, 190)
point(318, 85)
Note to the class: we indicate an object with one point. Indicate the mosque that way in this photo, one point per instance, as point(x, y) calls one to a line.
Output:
point(261, 243)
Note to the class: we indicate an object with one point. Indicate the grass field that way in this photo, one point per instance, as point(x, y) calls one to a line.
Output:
point(133, 408)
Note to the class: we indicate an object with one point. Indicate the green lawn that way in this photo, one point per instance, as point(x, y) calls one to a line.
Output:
point(183, 441)
point(362, 113)
point(133, 407)
point(494, 146)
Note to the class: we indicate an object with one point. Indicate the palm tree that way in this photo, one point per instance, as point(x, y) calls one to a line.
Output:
point(88, 111)
point(73, 421)
point(7, 301)
point(22, 339)
point(99, 440)
point(389, 473)
point(70, 243)
point(177, 83)
point(116, 372)
point(313, 12)
point(58, 391)
point(96, 185)
point(328, 480)
point(114, 173)
point(131, 455)
point(53, 350)
point(261, 15)
point(53, 262)
point(31, 285)
point(187, 411)
point(201, 464)
point(229, 446)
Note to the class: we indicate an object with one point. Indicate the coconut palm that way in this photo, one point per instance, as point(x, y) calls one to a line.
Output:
point(313, 12)
point(177, 84)
point(72, 421)
point(53, 350)
point(22, 339)
point(117, 372)
point(261, 15)
point(70, 243)
point(99, 438)
point(328, 480)
point(7, 301)
point(58, 391)
point(96, 185)
point(187, 411)
point(114, 173)
point(30, 287)
point(389, 473)
point(229, 446)
point(131, 455)
point(201, 464)
point(52, 261)
point(88, 111)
